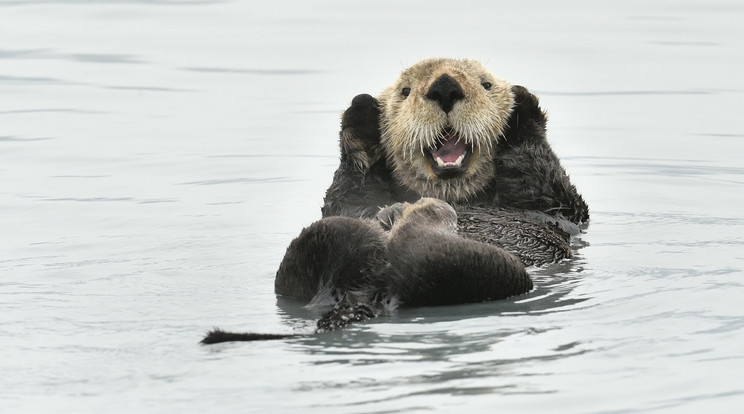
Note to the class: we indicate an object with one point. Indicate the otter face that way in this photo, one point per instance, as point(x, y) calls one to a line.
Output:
point(440, 122)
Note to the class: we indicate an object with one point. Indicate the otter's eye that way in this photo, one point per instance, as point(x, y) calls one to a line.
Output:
point(406, 91)
point(486, 85)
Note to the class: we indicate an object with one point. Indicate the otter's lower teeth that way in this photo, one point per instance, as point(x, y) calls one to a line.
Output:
point(457, 163)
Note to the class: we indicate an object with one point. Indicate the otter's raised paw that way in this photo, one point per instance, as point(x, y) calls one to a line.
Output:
point(524, 98)
point(389, 215)
point(363, 116)
point(527, 121)
point(360, 133)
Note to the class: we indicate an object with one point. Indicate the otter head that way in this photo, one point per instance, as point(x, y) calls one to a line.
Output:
point(439, 125)
point(429, 212)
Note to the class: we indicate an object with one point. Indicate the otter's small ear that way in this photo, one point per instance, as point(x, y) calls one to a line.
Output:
point(527, 121)
point(360, 132)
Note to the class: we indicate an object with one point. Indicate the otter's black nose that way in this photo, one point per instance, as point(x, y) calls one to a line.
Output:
point(446, 91)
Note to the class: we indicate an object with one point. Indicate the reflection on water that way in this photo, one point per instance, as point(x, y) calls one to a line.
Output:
point(465, 343)
point(77, 57)
point(157, 157)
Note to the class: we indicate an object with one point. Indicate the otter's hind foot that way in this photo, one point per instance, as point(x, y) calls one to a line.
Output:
point(343, 314)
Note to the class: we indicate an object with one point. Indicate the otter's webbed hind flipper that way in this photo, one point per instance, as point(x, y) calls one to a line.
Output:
point(346, 311)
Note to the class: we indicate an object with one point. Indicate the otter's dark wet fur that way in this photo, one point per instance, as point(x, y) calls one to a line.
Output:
point(433, 265)
point(529, 237)
point(530, 208)
point(411, 255)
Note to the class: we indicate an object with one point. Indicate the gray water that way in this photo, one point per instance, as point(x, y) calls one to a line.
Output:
point(157, 157)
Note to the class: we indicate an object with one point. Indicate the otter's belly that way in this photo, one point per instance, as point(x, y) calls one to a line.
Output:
point(533, 242)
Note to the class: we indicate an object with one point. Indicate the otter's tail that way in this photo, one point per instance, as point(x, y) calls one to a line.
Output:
point(216, 335)
point(344, 313)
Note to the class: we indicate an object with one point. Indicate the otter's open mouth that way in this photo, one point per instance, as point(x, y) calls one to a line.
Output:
point(451, 156)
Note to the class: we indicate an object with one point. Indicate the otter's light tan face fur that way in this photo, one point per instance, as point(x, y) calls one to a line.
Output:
point(417, 123)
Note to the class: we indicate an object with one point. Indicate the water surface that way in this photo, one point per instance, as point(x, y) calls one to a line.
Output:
point(157, 157)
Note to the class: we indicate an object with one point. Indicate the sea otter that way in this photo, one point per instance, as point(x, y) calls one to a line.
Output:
point(411, 255)
point(431, 264)
point(450, 129)
point(460, 159)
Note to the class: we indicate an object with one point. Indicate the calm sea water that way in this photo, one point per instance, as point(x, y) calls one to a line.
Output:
point(157, 157)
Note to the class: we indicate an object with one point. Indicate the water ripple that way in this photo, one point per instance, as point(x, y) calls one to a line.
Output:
point(251, 71)
point(53, 110)
point(660, 166)
point(90, 199)
point(9, 138)
point(241, 180)
point(638, 92)
point(77, 57)
point(272, 156)
point(109, 2)
point(148, 88)
point(21, 80)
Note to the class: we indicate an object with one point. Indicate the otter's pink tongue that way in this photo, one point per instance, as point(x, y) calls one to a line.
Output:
point(451, 152)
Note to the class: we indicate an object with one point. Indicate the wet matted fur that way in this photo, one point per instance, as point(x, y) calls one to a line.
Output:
point(450, 129)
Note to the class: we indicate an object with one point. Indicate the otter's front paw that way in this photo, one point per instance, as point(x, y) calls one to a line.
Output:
point(389, 215)
point(524, 99)
point(363, 116)
point(527, 121)
point(360, 132)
